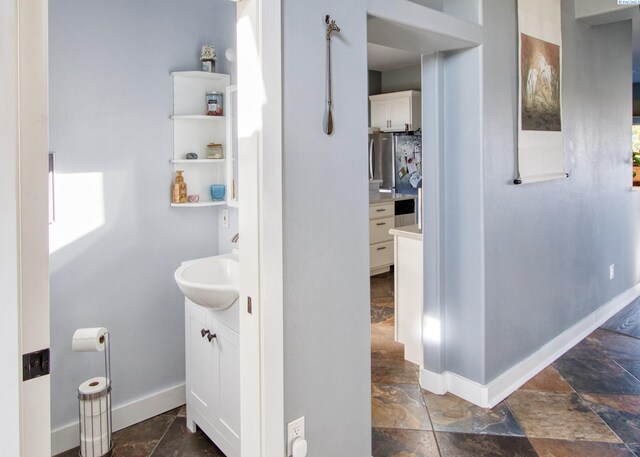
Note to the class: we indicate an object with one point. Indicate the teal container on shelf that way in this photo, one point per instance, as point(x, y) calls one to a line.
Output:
point(217, 192)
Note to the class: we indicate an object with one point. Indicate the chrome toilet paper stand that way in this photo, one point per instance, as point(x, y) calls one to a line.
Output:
point(87, 425)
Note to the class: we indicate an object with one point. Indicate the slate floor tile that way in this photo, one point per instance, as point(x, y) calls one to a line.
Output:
point(548, 380)
point(391, 367)
point(561, 448)
point(585, 350)
point(382, 339)
point(616, 345)
point(449, 413)
point(632, 366)
point(620, 412)
point(398, 406)
point(635, 448)
point(139, 440)
point(627, 321)
point(597, 376)
point(468, 445)
point(558, 416)
point(389, 442)
point(180, 442)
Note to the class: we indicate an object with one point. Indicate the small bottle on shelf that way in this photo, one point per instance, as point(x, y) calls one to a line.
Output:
point(179, 193)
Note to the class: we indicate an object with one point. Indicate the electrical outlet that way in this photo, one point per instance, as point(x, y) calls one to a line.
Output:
point(295, 429)
point(612, 271)
point(225, 217)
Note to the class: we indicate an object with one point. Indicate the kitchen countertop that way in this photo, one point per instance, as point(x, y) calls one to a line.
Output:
point(408, 231)
point(385, 197)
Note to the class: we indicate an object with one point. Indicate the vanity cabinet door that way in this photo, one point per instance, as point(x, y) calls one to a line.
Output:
point(228, 414)
point(201, 362)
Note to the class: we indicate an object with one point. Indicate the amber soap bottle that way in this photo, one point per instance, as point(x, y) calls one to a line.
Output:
point(179, 194)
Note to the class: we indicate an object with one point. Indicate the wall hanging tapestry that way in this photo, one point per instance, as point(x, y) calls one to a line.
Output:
point(540, 140)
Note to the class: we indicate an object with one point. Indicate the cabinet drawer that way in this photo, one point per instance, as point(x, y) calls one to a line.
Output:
point(379, 230)
point(381, 254)
point(384, 210)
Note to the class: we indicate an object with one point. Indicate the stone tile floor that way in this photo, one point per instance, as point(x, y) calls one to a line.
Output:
point(165, 435)
point(586, 404)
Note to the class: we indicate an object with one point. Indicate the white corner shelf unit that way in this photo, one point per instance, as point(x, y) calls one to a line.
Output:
point(193, 130)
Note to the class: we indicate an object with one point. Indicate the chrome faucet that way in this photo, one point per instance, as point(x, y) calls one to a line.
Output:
point(235, 238)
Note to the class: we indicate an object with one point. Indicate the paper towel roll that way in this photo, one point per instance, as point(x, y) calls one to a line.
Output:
point(89, 339)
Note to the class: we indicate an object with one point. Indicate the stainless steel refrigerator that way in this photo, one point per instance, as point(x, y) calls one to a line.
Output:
point(395, 158)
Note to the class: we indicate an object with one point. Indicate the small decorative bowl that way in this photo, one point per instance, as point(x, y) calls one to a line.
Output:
point(193, 198)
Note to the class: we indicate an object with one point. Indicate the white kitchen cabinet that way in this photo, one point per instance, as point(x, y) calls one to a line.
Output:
point(213, 375)
point(381, 220)
point(193, 130)
point(396, 111)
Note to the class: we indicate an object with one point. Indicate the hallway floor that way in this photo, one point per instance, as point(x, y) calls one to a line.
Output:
point(587, 404)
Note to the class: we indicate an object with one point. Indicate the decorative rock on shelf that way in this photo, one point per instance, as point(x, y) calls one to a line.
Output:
point(208, 58)
point(191, 156)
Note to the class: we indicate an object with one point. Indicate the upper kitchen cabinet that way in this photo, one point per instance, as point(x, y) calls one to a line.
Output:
point(397, 111)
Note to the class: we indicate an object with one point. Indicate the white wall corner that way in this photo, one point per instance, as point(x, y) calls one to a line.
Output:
point(598, 12)
point(489, 395)
point(66, 437)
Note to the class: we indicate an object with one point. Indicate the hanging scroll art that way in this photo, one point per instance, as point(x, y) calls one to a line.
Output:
point(540, 137)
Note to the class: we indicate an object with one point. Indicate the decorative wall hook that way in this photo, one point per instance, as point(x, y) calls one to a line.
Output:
point(331, 26)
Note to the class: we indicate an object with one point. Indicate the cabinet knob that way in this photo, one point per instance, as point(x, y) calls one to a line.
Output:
point(211, 336)
point(204, 332)
point(381, 223)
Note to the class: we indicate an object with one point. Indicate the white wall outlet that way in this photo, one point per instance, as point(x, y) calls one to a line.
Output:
point(225, 217)
point(612, 271)
point(295, 429)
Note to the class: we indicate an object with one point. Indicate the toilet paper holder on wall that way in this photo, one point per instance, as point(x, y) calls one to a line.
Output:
point(94, 397)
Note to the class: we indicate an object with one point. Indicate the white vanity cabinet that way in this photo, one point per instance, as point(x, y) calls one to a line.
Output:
point(213, 374)
point(396, 111)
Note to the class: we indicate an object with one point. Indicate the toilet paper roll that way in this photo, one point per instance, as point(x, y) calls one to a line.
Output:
point(93, 385)
point(89, 339)
point(94, 448)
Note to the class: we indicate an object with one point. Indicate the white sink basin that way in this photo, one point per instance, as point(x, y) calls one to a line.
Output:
point(212, 282)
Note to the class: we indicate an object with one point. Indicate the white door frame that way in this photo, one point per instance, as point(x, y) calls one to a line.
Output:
point(261, 254)
point(10, 394)
point(24, 251)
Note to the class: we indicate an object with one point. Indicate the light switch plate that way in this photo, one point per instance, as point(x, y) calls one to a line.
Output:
point(225, 217)
point(295, 429)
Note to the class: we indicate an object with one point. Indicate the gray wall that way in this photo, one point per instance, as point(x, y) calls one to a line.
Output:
point(375, 82)
point(463, 233)
point(408, 78)
point(110, 102)
point(435, 4)
point(326, 261)
point(549, 245)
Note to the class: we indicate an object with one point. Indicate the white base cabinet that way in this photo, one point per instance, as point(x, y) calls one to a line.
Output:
point(381, 220)
point(213, 375)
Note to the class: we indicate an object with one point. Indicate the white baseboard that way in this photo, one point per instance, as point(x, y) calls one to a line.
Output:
point(489, 395)
point(66, 437)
